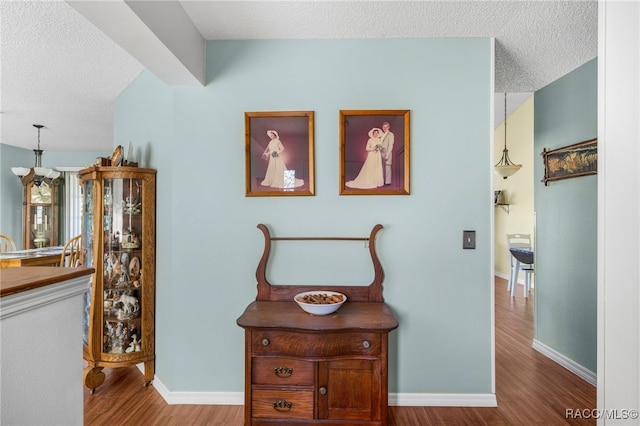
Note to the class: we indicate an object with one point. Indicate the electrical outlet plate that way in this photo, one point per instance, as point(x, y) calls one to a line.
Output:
point(468, 239)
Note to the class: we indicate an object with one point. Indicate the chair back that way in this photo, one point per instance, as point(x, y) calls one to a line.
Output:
point(72, 255)
point(522, 241)
point(6, 244)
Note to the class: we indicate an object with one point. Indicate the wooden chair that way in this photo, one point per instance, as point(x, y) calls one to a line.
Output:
point(72, 254)
point(6, 244)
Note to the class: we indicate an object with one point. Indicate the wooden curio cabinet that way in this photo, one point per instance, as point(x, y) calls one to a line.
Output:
point(118, 228)
point(41, 211)
point(302, 369)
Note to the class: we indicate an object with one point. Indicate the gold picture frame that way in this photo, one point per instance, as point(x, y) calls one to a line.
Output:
point(279, 153)
point(369, 166)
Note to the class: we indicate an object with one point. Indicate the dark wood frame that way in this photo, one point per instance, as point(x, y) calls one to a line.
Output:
point(354, 126)
point(296, 129)
point(583, 156)
point(280, 292)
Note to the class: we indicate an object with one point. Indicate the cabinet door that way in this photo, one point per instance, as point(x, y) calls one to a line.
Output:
point(349, 390)
point(87, 246)
point(122, 280)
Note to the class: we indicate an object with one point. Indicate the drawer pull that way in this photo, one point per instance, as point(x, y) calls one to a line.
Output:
point(265, 342)
point(323, 391)
point(366, 344)
point(282, 406)
point(283, 372)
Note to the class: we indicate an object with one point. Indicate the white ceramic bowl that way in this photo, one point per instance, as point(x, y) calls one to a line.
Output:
point(319, 308)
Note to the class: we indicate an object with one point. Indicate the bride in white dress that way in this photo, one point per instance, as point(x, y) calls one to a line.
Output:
point(277, 175)
point(370, 175)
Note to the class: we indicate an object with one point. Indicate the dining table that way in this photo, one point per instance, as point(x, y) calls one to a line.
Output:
point(45, 256)
point(521, 256)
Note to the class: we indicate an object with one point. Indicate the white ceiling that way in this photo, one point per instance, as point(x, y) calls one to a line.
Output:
point(59, 70)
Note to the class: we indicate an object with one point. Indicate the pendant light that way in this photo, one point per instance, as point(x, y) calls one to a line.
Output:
point(505, 166)
point(37, 174)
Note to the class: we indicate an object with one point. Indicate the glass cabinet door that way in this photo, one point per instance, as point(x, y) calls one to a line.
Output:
point(41, 212)
point(122, 269)
point(87, 246)
point(41, 225)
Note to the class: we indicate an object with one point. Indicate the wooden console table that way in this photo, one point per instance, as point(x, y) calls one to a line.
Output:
point(306, 369)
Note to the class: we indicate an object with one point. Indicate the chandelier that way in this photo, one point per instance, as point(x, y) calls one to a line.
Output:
point(505, 166)
point(36, 174)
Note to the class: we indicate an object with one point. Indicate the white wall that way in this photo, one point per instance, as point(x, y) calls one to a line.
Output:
point(41, 355)
point(619, 208)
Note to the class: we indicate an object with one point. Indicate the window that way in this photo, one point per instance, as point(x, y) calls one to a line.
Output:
point(72, 203)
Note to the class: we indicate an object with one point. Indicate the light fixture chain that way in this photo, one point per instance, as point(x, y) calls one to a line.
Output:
point(505, 120)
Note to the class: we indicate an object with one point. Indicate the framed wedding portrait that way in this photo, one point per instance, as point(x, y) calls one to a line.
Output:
point(279, 149)
point(374, 152)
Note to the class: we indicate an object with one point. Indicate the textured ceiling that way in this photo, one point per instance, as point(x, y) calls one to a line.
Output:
point(60, 71)
point(536, 41)
point(57, 69)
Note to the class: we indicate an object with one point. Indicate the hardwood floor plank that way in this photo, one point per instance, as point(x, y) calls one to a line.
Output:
point(531, 389)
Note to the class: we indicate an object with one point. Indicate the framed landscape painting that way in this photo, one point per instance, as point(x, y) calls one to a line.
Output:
point(570, 161)
point(279, 153)
point(374, 152)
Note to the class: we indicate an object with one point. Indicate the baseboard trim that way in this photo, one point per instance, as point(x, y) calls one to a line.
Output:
point(405, 399)
point(198, 398)
point(567, 363)
point(395, 399)
point(507, 277)
point(443, 399)
point(503, 276)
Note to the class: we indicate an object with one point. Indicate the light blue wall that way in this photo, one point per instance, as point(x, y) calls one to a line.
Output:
point(207, 243)
point(566, 211)
point(11, 188)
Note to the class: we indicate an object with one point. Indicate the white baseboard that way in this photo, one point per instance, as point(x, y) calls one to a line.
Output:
point(195, 398)
point(520, 281)
point(198, 398)
point(501, 275)
point(567, 363)
point(443, 399)
point(395, 399)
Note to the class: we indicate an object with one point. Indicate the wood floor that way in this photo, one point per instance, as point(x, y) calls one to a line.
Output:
point(531, 389)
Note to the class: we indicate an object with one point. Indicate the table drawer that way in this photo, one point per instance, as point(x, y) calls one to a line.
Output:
point(275, 342)
point(282, 371)
point(282, 404)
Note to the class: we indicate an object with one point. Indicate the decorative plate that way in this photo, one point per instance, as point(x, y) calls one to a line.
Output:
point(134, 267)
point(117, 156)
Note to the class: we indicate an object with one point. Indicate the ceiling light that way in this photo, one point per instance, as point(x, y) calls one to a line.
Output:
point(36, 174)
point(505, 166)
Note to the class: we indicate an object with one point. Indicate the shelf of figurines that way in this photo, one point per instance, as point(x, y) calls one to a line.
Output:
point(121, 315)
point(128, 240)
point(121, 305)
point(121, 337)
point(122, 269)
